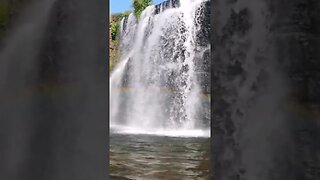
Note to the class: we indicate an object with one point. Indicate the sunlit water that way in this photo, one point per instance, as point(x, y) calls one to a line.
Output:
point(136, 156)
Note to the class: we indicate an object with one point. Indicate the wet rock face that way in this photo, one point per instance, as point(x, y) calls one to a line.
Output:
point(202, 63)
point(166, 5)
point(265, 85)
point(203, 23)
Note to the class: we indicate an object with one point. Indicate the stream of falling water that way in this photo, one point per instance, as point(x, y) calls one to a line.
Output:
point(155, 88)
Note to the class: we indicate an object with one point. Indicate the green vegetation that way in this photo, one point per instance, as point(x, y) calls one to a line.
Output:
point(115, 19)
point(115, 23)
point(140, 5)
point(114, 30)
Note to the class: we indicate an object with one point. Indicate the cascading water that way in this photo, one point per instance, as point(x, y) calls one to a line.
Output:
point(155, 89)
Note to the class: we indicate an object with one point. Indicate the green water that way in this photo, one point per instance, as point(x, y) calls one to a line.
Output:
point(145, 157)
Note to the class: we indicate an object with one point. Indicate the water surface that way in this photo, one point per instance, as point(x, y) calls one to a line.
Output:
point(159, 157)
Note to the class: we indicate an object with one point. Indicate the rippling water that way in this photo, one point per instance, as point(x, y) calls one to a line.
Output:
point(158, 157)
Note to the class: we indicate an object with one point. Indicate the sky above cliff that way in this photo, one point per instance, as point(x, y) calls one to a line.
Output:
point(117, 6)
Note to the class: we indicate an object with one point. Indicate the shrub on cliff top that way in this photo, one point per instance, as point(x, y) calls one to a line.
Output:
point(140, 5)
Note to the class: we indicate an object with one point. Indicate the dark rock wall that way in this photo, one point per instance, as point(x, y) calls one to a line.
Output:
point(265, 86)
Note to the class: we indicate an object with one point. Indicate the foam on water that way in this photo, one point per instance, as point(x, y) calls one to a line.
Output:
point(187, 133)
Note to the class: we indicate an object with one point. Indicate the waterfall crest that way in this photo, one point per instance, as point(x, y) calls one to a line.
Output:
point(155, 88)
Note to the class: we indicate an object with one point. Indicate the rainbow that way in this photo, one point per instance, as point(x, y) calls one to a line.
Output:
point(127, 90)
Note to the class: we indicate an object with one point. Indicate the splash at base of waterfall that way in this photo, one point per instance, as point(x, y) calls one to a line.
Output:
point(119, 129)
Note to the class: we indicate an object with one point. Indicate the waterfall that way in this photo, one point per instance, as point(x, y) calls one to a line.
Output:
point(155, 88)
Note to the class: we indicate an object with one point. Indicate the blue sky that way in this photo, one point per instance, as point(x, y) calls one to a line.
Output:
point(117, 6)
